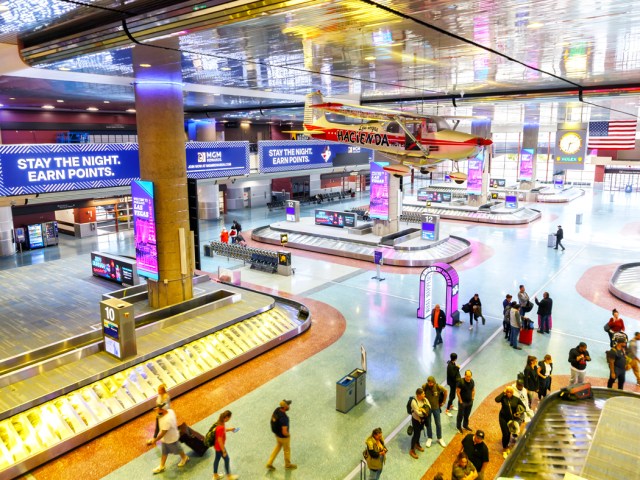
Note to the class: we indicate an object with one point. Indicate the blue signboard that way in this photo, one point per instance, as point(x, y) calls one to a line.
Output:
point(428, 231)
point(511, 201)
point(28, 169)
point(287, 155)
point(217, 159)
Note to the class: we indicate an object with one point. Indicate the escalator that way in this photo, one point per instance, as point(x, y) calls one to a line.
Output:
point(558, 438)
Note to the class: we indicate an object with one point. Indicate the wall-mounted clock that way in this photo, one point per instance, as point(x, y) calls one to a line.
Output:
point(570, 143)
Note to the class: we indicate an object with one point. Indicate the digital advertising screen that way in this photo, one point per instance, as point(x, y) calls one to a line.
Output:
point(558, 183)
point(42, 168)
point(474, 176)
point(497, 183)
point(511, 201)
point(36, 240)
point(144, 226)
point(217, 159)
point(433, 196)
point(526, 164)
point(428, 231)
point(379, 192)
point(112, 268)
point(288, 155)
point(335, 219)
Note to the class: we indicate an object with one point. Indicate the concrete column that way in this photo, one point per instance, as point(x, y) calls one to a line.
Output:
point(530, 133)
point(208, 201)
point(206, 131)
point(161, 137)
point(482, 128)
point(7, 246)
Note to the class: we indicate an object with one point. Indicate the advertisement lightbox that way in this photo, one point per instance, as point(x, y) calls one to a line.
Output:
point(379, 192)
point(335, 219)
point(144, 227)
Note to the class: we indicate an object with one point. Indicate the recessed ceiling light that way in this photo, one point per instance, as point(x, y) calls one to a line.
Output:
point(225, 69)
point(535, 25)
point(12, 98)
point(64, 69)
point(131, 110)
point(1, 105)
point(48, 107)
point(92, 109)
point(268, 89)
point(106, 101)
point(205, 105)
point(60, 101)
point(216, 94)
point(370, 58)
point(145, 65)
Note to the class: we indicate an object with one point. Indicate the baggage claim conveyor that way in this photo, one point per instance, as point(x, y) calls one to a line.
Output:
point(63, 395)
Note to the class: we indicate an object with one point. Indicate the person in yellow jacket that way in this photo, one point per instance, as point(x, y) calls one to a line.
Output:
point(376, 453)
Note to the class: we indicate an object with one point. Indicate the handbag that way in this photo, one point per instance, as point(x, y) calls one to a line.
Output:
point(607, 328)
point(410, 430)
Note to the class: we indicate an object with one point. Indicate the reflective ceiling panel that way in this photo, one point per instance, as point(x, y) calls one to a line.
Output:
point(396, 53)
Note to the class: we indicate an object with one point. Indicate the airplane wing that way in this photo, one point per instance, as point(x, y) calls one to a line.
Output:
point(368, 113)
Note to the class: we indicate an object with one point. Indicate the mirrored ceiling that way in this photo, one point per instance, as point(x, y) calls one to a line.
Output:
point(261, 58)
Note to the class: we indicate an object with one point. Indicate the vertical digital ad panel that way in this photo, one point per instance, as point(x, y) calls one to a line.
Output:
point(379, 192)
point(144, 225)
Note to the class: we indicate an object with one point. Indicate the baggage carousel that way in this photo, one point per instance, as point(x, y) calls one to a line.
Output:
point(405, 252)
point(558, 439)
point(625, 283)
point(412, 210)
point(51, 406)
point(552, 195)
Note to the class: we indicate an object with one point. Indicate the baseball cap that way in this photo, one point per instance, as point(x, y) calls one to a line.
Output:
point(480, 434)
point(285, 403)
point(520, 381)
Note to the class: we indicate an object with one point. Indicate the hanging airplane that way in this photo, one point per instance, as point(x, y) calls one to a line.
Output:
point(405, 138)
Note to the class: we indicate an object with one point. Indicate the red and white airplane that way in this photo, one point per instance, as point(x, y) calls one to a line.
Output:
point(405, 138)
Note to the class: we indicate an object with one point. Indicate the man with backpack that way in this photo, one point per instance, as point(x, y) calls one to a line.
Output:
point(280, 428)
point(435, 396)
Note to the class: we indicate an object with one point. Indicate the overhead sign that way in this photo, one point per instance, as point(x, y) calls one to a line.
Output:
point(41, 168)
point(571, 147)
point(144, 227)
point(286, 155)
point(217, 159)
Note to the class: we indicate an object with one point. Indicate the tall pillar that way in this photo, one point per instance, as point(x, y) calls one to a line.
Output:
point(208, 201)
point(387, 227)
point(7, 246)
point(161, 139)
point(206, 131)
point(482, 128)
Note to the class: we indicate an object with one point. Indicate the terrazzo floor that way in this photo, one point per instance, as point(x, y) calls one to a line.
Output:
point(381, 316)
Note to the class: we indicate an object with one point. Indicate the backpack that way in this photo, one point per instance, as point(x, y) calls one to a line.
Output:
point(210, 437)
point(409, 409)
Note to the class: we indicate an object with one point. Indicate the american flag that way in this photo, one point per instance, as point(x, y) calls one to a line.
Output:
point(614, 135)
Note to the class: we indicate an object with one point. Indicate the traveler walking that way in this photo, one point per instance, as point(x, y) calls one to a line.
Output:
point(220, 446)
point(559, 236)
point(614, 325)
point(475, 310)
point(168, 436)
point(280, 428)
point(511, 408)
point(439, 321)
point(163, 397)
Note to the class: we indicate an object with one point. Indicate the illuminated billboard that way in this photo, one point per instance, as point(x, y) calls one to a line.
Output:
point(144, 227)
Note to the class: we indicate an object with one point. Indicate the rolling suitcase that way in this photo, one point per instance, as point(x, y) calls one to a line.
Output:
point(551, 240)
point(526, 336)
point(192, 439)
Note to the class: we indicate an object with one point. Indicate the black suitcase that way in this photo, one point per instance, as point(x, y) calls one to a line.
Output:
point(193, 439)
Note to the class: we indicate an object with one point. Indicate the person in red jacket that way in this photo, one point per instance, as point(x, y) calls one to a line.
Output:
point(224, 235)
point(616, 324)
point(439, 321)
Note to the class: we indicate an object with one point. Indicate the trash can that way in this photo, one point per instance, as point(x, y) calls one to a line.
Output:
point(361, 383)
point(551, 240)
point(578, 219)
point(345, 394)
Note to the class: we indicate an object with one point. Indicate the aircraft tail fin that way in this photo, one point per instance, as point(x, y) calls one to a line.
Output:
point(312, 115)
